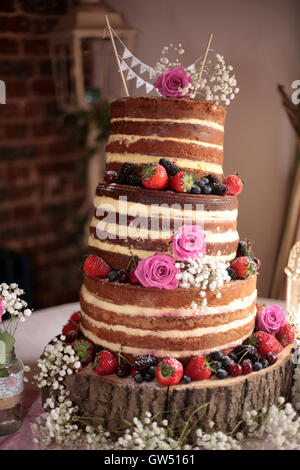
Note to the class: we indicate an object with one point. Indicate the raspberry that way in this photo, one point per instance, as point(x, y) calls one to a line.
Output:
point(133, 279)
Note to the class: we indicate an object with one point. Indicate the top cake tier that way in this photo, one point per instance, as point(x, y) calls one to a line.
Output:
point(189, 133)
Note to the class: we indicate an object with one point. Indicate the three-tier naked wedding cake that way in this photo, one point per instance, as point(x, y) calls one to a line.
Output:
point(168, 318)
point(150, 320)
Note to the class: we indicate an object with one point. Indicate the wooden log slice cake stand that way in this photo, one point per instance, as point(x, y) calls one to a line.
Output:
point(113, 399)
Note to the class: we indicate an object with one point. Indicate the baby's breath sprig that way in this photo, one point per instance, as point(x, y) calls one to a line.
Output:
point(13, 307)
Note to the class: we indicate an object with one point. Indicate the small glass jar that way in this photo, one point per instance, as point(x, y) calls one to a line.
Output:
point(293, 287)
point(11, 394)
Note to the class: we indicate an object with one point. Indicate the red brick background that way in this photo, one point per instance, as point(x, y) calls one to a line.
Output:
point(39, 185)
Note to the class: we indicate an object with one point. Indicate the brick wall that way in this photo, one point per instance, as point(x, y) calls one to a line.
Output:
point(39, 186)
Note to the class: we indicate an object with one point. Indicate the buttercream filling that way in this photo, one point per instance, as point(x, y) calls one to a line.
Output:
point(160, 352)
point(120, 205)
point(195, 332)
point(181, 162)
point(129, 251)
point(193, 121)
point(124, 231)
point(127, 138)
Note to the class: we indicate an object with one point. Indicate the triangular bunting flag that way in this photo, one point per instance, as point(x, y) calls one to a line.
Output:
point(191, 68)
point(126, 54)
point(124, 66)
point(139, 82)
point(152, 73)
point(130, 75)
point(134, 61)
point(143, 68)
point(149, 87)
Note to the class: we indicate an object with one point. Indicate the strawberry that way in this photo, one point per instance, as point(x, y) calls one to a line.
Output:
point(265, 343)
point(182, 182)
point(285, 335)
point(154, 176)
point(169, 371)
point(75, 317)
point(243, 266)
point(83, 349)
point(96, 266)
point(198, 368)
point(104, 363)
point(70, 326)
point(234, 185)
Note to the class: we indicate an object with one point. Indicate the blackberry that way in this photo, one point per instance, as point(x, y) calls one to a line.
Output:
point(169, 166)
point(126, 170)
point(232, 273)
point(213, 179)
point(134, 180)
point(143, 362)
point(123, 370)
point(196, 189)
point(218, 189)
point(186, 379)
point(221, 374)
point(113, 276)
point(216, 356)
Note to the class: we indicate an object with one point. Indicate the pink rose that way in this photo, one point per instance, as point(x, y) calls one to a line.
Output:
point(188, 242)
point(171, 80)
point(1, 309)
point(158, 271)
point(270, 319)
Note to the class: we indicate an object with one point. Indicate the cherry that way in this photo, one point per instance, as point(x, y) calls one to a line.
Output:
point(235, 370)
point(247, 366)
point(110, 177)
point(271, 357)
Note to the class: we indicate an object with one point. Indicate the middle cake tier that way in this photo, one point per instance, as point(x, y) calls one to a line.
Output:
point(130, 221)
point(166, 322)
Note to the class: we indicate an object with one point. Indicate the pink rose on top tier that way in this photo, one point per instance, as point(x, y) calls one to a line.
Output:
point(188, 242)
point(171, 80)
point(158, 271)
point(270, 319)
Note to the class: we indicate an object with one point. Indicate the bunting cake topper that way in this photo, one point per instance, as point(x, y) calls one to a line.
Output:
point(205, 79)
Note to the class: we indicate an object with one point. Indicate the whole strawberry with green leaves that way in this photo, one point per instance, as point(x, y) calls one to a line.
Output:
point(198, 368)
point(169, 371)
point(154, 176)
point(104, 363)
point(84, 350)
point(244, 267)
point(265, 343)
point(182, 182)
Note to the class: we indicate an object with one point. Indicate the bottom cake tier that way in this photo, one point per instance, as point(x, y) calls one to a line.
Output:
point(113, 401)
point(179, 323)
